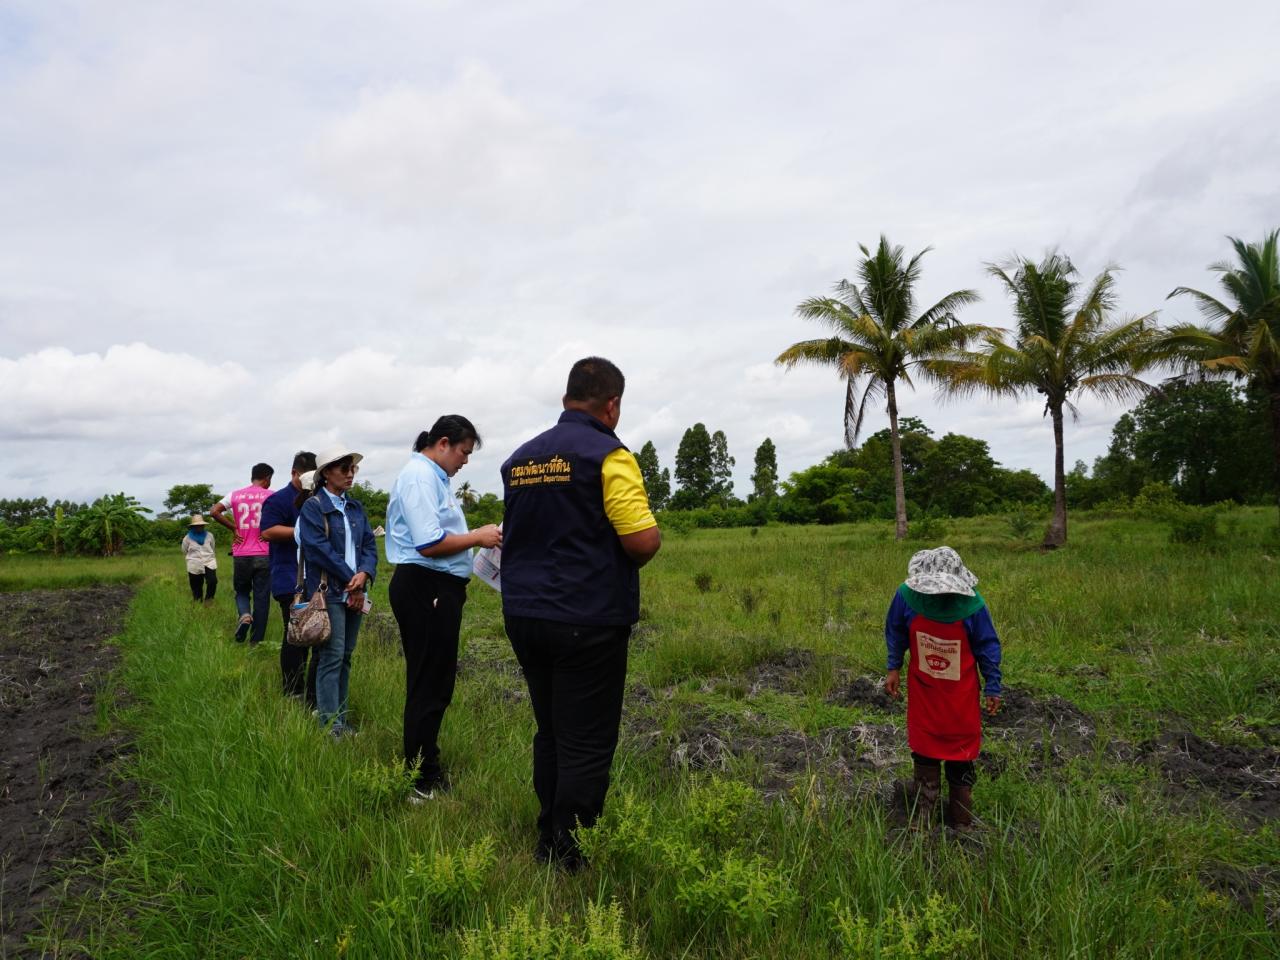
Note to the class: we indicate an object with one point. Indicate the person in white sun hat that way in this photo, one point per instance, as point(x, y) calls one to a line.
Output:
point(202, 564)
point(339, 556)
point(942, 621)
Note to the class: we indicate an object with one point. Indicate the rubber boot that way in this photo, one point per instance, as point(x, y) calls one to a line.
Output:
point(926, 784)
point(960, 806)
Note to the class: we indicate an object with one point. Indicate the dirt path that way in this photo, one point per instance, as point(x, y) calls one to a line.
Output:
point(55, 771)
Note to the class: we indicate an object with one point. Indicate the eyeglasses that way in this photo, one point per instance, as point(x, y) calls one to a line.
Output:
point(346, 468)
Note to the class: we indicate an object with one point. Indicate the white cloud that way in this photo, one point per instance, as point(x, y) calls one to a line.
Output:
point(233, 230)
point(468, 149)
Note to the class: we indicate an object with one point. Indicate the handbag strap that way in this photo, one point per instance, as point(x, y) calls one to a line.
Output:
point(302, 562)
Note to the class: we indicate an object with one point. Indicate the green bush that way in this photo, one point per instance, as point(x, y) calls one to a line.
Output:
point(602, 937)
point(1191, 524)
point(903, 932)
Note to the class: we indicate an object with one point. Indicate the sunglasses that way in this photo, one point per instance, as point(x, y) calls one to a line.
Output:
point(347, 467)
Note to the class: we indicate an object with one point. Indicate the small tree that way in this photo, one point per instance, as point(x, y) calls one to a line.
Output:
point(657, 482)
point(108, 523)
point(373, 500)
point(721, 469)
point(184, 499)
point(764, 479)
point(693, 469)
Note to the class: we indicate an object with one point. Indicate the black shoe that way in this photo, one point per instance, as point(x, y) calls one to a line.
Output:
point(242, 631)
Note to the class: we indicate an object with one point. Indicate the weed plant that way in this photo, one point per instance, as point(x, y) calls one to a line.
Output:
point(258, 836)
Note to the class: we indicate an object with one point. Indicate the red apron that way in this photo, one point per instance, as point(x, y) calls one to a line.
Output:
point(944, 719)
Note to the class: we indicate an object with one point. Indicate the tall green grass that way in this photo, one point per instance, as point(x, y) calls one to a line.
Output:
point(258, 836)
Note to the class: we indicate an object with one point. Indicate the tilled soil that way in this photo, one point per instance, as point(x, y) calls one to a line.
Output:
point(1048, 731)
point(55, 773)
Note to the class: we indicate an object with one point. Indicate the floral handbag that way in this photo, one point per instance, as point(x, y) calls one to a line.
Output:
point(309, 624)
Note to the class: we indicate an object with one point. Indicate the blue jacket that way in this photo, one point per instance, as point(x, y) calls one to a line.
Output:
point(561, 558)
point(320, 554)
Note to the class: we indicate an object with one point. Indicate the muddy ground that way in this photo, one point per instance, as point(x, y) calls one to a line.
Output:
point(56, 781)
point(1045, 733)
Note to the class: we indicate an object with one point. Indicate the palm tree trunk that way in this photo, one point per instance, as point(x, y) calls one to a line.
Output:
point(1056, 535)
point(1274, 393)
point(899, 493)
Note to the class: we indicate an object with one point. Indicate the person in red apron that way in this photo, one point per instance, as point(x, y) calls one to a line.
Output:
point(942, 621)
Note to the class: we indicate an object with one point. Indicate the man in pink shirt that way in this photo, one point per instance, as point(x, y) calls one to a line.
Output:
point(251, 564)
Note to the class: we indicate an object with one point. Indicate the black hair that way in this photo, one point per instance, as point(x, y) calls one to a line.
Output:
point(317, 483)
point(453, 427)
point(304, 460)
point(594, 381)
point(261, 471)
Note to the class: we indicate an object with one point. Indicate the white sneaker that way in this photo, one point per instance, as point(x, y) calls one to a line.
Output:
point(418, 796)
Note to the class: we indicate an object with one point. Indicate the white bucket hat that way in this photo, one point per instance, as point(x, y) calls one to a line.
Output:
point(330, 457)
point(940, 571)
point(307, 480)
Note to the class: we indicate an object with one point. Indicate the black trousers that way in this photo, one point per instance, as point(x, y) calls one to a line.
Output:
point(251, 577)
point(427, 605)
point(299, 678)
point(576, 677)
point(207, 581)
point(960, 772)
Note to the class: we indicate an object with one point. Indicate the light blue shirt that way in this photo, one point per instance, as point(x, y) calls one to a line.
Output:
point(422, 512)
point(349, 554)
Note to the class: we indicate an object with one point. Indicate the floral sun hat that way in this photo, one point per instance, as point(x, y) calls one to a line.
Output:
point(940, 571)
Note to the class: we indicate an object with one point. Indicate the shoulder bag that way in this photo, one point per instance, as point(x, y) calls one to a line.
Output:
point(309, 624)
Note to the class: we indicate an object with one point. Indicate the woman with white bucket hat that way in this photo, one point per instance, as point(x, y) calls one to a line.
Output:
point(339, 556)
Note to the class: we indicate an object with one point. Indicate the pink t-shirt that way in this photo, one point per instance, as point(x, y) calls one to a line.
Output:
point(246, 512)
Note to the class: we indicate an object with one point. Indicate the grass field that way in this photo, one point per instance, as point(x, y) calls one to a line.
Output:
point(747, 816)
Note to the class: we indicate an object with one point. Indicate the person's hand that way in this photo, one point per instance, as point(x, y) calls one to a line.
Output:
point(355, 600)
point(892, 684)
point(357, 583)
point(993, 705)
point(488, 536)
point(237, 539)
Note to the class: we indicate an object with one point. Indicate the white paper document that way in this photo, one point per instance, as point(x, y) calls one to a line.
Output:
point(487, 565)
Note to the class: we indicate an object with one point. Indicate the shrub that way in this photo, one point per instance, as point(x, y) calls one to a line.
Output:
point(903, 932)
point(602, 937)
point(383, 786)
point(1152, 498)
point(1023, 522)
point(449, 882)
point(927, 528)
point(1192, 524)
point(717, 809)
point(736, 892)
point(624, 832)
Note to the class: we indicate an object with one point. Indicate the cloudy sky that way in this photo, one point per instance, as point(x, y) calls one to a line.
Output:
point(231, 230)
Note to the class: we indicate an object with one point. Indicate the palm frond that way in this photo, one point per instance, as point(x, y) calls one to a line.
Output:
point(943, 312)
point(826, 351)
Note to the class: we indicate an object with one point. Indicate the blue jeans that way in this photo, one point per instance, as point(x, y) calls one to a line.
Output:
point(333, 670)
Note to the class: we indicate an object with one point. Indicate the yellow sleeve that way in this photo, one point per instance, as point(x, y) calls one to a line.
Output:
point(625, 502)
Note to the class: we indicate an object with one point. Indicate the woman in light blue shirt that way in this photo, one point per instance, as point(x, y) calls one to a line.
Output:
point(428, 541)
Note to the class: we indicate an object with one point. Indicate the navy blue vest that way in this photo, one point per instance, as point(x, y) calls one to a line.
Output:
point(561, 558)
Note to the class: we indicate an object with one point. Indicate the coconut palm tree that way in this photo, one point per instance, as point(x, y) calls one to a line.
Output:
point(879, 339)
point(1065, 342)
point(467, 496)
point(1243, 336)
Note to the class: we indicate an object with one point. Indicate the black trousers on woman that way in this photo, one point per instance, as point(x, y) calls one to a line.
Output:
point(428, 609)
point(206, 582)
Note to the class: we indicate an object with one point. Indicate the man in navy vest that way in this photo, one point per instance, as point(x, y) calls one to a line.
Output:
point(577, 528)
